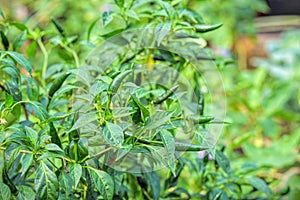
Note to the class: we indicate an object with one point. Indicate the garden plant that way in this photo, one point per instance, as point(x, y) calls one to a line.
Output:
point(131, 107)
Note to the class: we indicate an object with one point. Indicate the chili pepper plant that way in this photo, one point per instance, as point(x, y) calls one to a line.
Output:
point(108, 113)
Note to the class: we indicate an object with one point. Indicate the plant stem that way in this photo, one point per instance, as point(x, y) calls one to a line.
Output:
point(76, 150)
point(93, 156)
point(45, 54)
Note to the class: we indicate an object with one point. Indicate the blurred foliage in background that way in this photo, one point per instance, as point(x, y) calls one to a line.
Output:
point(263, 106)
point(237, 17)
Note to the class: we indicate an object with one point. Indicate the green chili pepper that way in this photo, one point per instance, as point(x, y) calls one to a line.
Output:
point(136, 115)
point(4, 40)
point(205, 119)
point(114, 74)
point(58, 26)
point(78, 149)
point(54, 136)
point(72, 150)
point(8, 182)
point(203, 28)
point(57, 84)
point(201, 103)
point(141, 111)
point(82, 148)
point(179, 146)
point(73, 134)
point(169, 93)
point(115, 84)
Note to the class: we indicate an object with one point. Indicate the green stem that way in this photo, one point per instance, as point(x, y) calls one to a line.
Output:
point(53, 164)
point(45, 54)
point(76, 150)
point(93, 156)
point(74, 54)
point(21, 151)
point(75, 58)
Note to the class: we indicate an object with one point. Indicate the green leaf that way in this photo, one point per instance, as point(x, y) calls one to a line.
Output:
point(53, 147)
point(19, 40)
point(7, 180)
point(157, 120)
point(223, 161)
point(121, 112)
point(20, 26)
point(120, 3)
point(116, 25)
point(103, 183)
point(2, 14)
point(5, 193)
point(13, 72)
point(54, 135)
point(13, 90)
point(83, 148)
point(123, 151)
point(161, 31)
point(2, 137)
point(191, 14)
point(58, 83)
point(48, 155)
point(9, 101)
point(46, 183)
point(63, 90)
point(169, 150)
point(260, 185)
point(31, 50)
point(76, 173)
point(25, 193)
point(84, 120)
point(4, 39)
point(43, 139)
point(21, 60)
point(32, 135)
point(13, 115)
point(276, 100)
point(98, 88)
point(26, 163)
point(168, 8)
point(141, 112)
point(39, 110)
point(113, 134)
point(32, 89)
point(91, 27)
point(58, 26)
point(65, 181)
point(132, 15)
point(153, 182)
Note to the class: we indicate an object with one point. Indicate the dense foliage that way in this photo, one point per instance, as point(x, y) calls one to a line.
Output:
point(105, 107)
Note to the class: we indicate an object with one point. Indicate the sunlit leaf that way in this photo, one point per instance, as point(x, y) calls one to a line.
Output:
point(113, 134)
point(65, 181)
point(103, 183)
point(161, 31)
point(4, 192)
point(20, 59)
point(260, 185)
point(26, 163)
point(25, 193)
point(46, 183)
point(169, 150)
point(76, 173)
